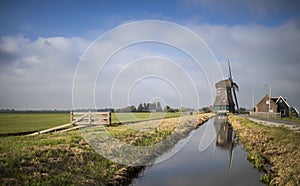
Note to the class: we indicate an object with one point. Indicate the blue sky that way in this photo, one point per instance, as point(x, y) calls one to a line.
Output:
point(41, 43)
point(77, 18)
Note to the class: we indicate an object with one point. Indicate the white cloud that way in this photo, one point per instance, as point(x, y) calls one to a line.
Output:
point(39, 74)
point(259, 54)
point(117, 48)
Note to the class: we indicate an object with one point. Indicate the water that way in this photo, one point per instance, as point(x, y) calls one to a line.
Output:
point(212, 157)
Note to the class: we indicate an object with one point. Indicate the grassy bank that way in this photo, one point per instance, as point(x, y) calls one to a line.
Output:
point(277, 147)
point(141, 116)
point(52, 159)
point(64, 159)
point(67, 159)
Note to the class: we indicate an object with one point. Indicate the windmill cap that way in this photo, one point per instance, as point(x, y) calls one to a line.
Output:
point(224, 84)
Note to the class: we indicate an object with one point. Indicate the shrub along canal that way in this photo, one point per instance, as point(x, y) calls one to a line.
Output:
point(212, 156)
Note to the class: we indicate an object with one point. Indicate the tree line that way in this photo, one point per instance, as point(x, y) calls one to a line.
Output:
point(152, 107)
point(142, 107)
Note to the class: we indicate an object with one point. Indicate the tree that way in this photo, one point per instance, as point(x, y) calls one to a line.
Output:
point(206, 109)
point(167, 108)
point(147, 107)
point(126, 109)
point(243, 109)
point(132, 108)
point(140, 107)
point(158, 107)
point(152, 107)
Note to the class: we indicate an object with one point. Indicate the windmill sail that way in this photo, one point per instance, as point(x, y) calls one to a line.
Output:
point(234, 86)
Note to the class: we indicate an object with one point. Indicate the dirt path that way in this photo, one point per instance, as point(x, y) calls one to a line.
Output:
point(276, 123)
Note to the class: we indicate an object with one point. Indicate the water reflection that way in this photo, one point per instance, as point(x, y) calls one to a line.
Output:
point(207, 167)
point(225, 136)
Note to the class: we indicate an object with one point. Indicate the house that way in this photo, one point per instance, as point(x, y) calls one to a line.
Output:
point(277, 105)
point(294, 112)
point(282, 106)
point(263, 105)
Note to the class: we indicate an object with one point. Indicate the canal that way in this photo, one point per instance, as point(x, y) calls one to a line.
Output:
point(212, 156)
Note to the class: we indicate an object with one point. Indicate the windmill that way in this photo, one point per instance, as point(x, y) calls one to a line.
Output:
point(224, 101)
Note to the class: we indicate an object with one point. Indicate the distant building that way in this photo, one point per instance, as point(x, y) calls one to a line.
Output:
point(277, 104)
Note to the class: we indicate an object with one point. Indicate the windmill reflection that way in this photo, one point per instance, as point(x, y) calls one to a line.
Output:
point(225, 136)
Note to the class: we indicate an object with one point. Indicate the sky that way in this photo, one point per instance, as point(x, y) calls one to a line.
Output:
point(53, 53)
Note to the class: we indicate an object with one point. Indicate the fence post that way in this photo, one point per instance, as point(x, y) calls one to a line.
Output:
point(90, 120)
point(109, 118)
point(71, 117)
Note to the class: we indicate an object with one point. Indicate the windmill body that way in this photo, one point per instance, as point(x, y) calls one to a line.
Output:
point(224, 101)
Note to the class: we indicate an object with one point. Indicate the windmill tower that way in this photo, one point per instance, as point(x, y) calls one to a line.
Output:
point(224, 100)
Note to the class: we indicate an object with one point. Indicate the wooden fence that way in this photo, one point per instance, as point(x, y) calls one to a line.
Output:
point(80, 120)
point(266, 114)
point(90, 118)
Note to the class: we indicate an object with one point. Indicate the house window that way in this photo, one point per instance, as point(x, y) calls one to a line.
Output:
point(267, 102)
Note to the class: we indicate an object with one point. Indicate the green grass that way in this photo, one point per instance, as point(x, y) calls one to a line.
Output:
point(293, 119)
point(52, 159)
point(63, 158)
point(28, 122)
point(14, 123)
point(277, 146)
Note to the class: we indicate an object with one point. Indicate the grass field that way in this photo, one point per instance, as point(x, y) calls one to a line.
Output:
point(14, 123)
point(28, 122)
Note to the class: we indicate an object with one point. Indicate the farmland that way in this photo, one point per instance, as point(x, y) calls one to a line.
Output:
point(20, 123)
point(14, 123)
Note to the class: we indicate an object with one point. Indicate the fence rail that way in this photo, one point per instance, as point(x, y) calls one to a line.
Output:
point(90, 118)
point(266, 114)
